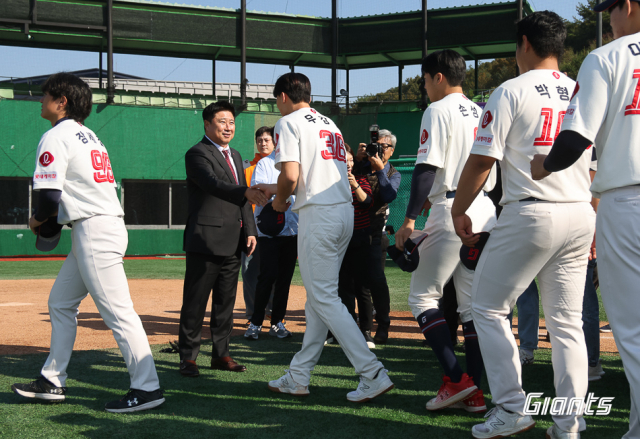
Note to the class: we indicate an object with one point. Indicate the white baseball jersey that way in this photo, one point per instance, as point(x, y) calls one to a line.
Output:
point(313, 140)
point(447, 132)
point(605, 109)
point(72, 159)
point(522, 118)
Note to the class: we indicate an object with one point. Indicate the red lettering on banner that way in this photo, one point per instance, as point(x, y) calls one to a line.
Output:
point(487, 119)
point(46, 158)
point(424, 137)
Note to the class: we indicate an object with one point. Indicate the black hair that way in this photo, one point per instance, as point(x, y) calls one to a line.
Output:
point(265, 129)
point(448, 62)
point(77, 92)
point(348, 149)
point(210, 110)
point(545, 31)
point(295, 85)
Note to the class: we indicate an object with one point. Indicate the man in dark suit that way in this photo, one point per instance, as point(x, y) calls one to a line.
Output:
point(220, 226)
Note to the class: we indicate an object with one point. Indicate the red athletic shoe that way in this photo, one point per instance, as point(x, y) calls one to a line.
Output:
point(450, 393)
point(474, 403)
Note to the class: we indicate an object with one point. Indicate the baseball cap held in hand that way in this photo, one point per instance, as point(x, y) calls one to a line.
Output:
point(270, 222)
point(48, 235)
point(408, 259)
point(470, 255)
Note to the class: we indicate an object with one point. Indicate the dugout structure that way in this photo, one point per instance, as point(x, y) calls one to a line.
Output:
point(148, 135)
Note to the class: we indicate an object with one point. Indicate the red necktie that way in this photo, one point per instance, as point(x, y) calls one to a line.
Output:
point(228, 159)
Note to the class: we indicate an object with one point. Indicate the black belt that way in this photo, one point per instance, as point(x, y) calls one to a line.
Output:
point(452, 194)
point(532, 199)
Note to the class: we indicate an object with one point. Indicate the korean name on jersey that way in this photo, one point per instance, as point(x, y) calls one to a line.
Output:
point(447, 132)
point(313, 140)
point(522, 118)
point(72, 159)
point(605, 109)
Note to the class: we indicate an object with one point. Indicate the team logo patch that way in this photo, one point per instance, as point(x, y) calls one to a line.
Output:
point(46, 158)
point(313, 111)
point(575, 91)
point(487, 119)
point(556, 75)
point(277, 138)
point(424, 137)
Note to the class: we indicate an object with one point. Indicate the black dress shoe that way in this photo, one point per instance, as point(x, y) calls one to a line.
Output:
point(382, 334)
point(228, 364)
point(189, 368)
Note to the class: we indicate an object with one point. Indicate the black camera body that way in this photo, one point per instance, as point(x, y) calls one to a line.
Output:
point(374, 147)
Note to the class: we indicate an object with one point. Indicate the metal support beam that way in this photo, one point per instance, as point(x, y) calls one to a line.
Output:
point(520, 14)
point(476, 76)
point(467, 52)
point(111, 88)
point(100, 71)
point(348, 92)
point(393, 60)
point(243, 51)
point(334, 52)
point(425, 44)
point(400, 82)
point(599, 29)
point(213, 73)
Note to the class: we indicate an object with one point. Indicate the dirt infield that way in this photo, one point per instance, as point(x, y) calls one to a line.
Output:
point(26, 328)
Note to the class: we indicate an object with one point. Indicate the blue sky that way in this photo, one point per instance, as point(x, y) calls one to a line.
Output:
point(31, 62)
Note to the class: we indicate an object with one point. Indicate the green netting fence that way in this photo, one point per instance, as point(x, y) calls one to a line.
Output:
point(398, 208)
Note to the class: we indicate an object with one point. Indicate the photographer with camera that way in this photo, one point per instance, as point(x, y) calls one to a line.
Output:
point(372, 160)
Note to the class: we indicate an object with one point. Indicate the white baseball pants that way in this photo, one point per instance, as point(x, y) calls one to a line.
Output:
point(323, 236)
point(94, 266)
point(550, 241)
point(440, 256)
point(618, 248)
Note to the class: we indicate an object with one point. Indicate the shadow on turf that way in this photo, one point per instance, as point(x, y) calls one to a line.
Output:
point(240, 405)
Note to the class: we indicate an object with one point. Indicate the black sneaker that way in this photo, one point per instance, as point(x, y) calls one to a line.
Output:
point(605, 328)
point(135, 400)
point(41, 388)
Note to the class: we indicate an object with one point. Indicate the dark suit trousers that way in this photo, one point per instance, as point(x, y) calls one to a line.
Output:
point(204, 274)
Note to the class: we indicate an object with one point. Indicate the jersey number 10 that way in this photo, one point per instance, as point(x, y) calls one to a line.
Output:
point(547, 128)
point(102, 164)
point(335, 146)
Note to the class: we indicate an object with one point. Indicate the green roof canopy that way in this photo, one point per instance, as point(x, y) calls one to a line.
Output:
point(161, 29)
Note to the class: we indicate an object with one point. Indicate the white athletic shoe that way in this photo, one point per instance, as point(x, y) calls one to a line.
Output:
point(286, 384)
point(554, 432)
point(501, 423)
point(595, 372)
point(253, 332)
point(368, 389)
point(526, 357)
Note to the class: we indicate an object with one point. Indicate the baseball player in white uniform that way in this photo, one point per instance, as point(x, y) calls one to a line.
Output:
point(448, 129)
point(545, 230)
point(311, 156)
point(605, 109)
point(74, 176)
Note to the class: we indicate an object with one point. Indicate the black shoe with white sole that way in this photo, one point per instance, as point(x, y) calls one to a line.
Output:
point(41, 388)
point(136, 400)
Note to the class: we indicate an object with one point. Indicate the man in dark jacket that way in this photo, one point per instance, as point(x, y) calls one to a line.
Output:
point(219, 227)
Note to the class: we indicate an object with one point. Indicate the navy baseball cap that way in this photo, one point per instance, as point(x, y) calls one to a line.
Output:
point(471, 255)
point(270, 222)
point(605, 5)
point(48, 235)
point(408, 259)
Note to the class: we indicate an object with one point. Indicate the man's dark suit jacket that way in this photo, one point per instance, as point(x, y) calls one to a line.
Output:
point(212, 240)
point(216, 203)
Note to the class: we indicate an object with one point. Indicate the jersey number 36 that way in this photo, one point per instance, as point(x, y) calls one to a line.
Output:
point(102, 164)
point(334, 146)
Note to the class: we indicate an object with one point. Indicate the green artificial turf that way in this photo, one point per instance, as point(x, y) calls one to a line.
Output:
point(239, 405)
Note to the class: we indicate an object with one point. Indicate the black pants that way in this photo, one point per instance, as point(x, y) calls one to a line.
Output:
point(353, 277)
point(206, 273)
point(277, 263)
point(377, 282)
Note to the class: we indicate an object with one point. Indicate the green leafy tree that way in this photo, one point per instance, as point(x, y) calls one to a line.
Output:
point(582, 30)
